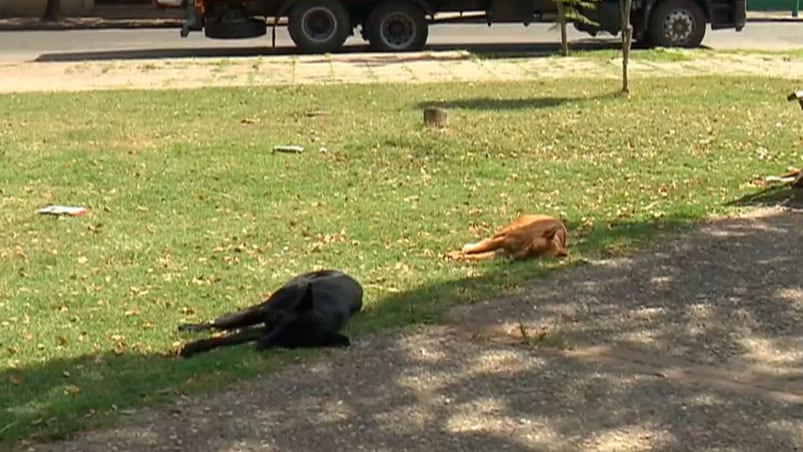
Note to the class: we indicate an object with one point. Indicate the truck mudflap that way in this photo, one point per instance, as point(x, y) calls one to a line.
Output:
point(739, 14)
point(193, 20)
point(193, 13)
point(727, 14)
point(193, 17)
point(605, 16)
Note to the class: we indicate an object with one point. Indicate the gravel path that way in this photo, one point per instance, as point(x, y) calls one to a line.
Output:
point(692, 345)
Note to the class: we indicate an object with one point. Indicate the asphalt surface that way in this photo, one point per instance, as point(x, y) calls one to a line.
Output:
point(78, 45)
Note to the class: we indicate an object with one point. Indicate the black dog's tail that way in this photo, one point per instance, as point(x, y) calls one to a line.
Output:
point(205, 345)
point(195, 327)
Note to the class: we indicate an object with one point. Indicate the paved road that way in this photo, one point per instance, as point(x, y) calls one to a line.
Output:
point(149, 43)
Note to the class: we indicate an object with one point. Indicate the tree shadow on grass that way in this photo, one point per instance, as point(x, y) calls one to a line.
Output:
point(695, 299)
point(492, 104)
point(57, 396)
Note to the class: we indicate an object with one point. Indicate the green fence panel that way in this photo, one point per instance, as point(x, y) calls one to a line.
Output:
point(775, 5)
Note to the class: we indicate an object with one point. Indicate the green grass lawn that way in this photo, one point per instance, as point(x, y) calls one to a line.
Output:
point(192, 215)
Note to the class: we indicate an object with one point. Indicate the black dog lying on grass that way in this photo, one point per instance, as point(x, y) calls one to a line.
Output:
point(307, 311)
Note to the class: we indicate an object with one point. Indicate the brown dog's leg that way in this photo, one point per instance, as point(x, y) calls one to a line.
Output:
point(482, 256)
point(489, 244)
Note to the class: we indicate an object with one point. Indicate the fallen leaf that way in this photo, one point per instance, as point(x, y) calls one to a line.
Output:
point(312, 114)
point(71, 390)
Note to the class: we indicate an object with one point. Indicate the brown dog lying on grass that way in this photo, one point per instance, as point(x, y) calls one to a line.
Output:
point(528, 236)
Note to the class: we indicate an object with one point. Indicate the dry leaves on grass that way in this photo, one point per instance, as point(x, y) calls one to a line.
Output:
point(72, 390)
point(319, 241)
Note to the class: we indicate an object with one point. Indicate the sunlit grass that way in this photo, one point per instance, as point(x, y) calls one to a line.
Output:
point(191, 214)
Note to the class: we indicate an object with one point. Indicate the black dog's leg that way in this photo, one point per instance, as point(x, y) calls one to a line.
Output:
point(335, 340)
point(195, 327)
point(205, 345)
point(231, 321)
point(279, 338)
point(272, 339)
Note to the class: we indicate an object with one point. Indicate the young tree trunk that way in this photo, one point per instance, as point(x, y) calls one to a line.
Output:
point(564, 40)
point(627, 38)
point(52, 11)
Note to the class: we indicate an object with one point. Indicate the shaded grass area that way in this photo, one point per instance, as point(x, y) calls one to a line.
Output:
point(191, 214)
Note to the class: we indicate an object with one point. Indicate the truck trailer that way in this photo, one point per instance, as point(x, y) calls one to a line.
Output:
point(321, 26)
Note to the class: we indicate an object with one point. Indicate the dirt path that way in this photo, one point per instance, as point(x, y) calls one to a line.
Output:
point(364, 68)
point(695, 345)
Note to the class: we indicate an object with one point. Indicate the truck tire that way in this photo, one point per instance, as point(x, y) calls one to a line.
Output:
point(676, 23)
point(319, 26)
point(397, 26)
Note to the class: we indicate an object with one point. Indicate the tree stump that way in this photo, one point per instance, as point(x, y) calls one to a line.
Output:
point(436, 117)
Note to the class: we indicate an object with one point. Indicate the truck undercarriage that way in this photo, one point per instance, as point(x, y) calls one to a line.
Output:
point(318, 26)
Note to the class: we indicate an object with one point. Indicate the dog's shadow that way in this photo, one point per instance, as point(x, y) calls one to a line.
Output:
point(776, 195)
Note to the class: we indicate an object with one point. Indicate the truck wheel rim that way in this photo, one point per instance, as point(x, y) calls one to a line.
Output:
point(679, 26)
point(398, 30)
point(319, 24)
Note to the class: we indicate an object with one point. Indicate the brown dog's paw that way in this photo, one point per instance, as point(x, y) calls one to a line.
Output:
point(453, 256)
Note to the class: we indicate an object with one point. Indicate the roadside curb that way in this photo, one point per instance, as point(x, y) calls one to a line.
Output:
point(86, 23)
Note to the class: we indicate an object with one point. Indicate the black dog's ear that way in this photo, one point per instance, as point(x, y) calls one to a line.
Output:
point(305, 302)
